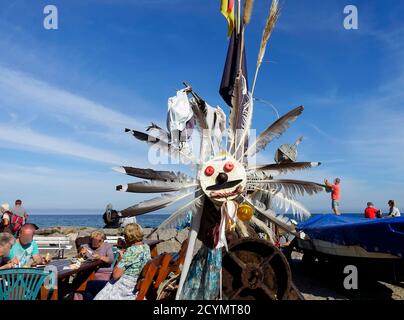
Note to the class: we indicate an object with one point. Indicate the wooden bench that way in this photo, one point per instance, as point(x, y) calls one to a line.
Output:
point(113, 239)
point(157, 270)
point(58, 244)
point(152, 243)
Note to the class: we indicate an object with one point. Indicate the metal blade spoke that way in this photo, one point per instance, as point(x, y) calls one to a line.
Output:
point(236, 259)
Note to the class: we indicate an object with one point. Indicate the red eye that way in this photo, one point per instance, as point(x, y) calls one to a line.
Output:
point(228, 166)
point(209, 170)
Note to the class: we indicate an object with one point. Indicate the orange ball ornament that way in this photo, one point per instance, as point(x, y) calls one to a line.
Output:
point(245, 212)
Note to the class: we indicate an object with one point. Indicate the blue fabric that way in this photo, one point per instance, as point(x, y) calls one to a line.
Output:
point(186, 222)
point(93, 288)
point(374, 235)
point(203, 279)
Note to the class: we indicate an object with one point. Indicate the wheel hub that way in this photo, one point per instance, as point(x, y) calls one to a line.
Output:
point(252, 276)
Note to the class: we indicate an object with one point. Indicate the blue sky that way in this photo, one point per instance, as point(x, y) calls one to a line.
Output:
point(66, 95)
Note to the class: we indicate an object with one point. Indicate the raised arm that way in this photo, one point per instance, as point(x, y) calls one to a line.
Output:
point(327, 183)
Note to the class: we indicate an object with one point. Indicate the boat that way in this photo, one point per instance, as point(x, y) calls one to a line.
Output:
point(353, 236)
point(376, 244)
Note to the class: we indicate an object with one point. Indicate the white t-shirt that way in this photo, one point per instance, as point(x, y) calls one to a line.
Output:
point(5, 216)
point(394, 212)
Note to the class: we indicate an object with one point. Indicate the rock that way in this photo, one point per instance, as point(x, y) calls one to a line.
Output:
point(166, 234)
point(69, 230)
point(147, 231)
point(168, 246)
point(154, 236)
point(72, 236)
point(86, 232)
point(182, 235)
point(48, 231)
point(57, 234)
point(111, 232)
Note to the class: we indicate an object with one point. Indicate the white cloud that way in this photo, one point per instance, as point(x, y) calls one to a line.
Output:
point(19, 87)
point(34, 141)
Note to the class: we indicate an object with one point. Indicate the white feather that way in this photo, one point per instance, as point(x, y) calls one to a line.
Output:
point(153, 204)
point(261, 225)
point(274, 131)
point(155, 186)
point(291, 188)
point(246, 120)
point(274, 169)
point(284, 203)
point(180, 213)
point(271, 216)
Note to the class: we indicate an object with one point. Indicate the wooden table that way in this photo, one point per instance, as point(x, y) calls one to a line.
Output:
point(81, 276)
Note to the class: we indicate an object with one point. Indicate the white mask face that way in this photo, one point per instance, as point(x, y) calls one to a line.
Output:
point(223, 178)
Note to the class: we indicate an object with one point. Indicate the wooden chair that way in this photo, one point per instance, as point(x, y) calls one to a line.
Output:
point(157, 270)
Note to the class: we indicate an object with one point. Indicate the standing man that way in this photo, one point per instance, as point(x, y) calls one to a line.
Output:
point(335, 194)
point(19, 210)
point(19, 217)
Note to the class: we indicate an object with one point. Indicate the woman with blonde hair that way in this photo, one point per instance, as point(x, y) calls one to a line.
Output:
point(6, 242)
point(125, 274)
point(98, 249)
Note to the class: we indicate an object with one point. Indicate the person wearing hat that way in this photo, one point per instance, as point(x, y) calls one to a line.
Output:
point(5, 218)
point(25, 249)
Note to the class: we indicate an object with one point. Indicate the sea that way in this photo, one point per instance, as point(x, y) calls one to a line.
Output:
point(94, 219)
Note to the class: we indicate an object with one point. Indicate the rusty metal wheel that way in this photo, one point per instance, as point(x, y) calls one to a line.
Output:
point(253, 269)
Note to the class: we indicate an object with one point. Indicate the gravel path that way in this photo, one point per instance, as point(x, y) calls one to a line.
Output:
point(322, 283)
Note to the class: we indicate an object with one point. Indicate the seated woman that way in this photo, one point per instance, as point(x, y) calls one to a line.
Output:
point(98, 249)
point(6, 242)
point(393, 210)
point(125, 274)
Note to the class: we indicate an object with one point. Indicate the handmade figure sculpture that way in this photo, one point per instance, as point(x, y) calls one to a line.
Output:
point(227, 193)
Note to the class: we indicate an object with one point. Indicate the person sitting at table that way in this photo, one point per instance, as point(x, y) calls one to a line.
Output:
point(25, 249)
point(98, 249)
point(125, 274)
point(6, 242)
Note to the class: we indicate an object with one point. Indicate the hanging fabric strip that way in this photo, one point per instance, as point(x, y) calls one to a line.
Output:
point(228, 221)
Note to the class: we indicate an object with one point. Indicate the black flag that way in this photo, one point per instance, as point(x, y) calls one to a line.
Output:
point(231, 67)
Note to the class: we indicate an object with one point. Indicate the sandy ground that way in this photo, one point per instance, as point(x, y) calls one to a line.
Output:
point(321, 282)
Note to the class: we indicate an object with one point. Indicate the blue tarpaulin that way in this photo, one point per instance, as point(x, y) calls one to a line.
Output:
point(374, 235)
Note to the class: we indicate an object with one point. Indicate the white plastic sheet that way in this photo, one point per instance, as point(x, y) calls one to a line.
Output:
point(179, 111)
